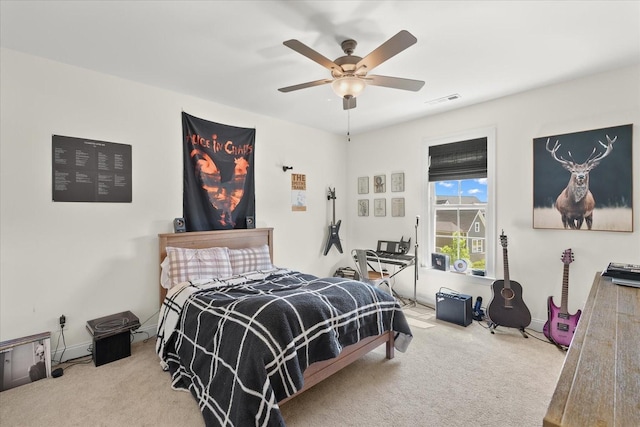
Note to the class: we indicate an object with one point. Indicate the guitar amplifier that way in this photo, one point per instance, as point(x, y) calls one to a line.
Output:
point(454, 308)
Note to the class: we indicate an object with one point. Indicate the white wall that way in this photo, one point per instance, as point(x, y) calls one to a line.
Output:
point(88, 260)
point(593, 102)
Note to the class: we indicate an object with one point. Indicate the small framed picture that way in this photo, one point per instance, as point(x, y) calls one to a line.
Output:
point(363, 185)
point(397, 206)
point(380, 207)
point(363, 207)
point(380, 184)
point(25, 360)
point(397, 182)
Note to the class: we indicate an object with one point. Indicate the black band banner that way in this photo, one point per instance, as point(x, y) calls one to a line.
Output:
point(219, 186)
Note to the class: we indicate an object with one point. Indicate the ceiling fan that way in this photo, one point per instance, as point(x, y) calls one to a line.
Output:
point(350, 73)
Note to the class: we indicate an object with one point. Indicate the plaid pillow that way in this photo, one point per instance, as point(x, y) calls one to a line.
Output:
point(190, 264)
point(250, 259)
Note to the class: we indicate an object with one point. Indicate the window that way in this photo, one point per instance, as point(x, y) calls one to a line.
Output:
point(459, 176)
point(477, 246)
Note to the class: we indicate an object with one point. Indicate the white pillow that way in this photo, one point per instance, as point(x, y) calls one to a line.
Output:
point(165, 282)
point(250, 259)
point(182, 265)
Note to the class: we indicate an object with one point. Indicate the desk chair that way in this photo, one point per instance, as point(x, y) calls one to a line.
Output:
point(368, 273)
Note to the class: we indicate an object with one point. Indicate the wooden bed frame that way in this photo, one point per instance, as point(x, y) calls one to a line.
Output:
point(246, 238)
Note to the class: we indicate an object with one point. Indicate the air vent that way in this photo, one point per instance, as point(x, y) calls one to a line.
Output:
point(447, 98)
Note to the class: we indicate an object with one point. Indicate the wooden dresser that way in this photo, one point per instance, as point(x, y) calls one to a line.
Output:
point(600, 381)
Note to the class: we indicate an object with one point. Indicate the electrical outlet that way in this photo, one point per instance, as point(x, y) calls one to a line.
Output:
point(63, 320)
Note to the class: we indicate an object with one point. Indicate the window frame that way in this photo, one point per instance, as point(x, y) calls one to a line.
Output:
point(427, 200)
point(475, 243)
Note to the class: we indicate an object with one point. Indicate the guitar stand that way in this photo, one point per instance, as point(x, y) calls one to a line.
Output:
point(558, 346)
point(561, 347)
point(493, 326)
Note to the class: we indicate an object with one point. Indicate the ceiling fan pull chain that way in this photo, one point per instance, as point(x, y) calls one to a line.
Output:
point(348, 125)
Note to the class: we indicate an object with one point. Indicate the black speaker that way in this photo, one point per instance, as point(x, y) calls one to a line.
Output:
point(454, 308)
point(251, 222)
point(111, 348)
point(179, 225)
point(112, 336)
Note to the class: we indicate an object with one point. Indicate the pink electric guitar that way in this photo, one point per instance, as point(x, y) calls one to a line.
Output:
point(561, 325)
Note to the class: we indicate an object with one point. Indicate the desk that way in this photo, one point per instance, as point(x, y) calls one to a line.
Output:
point(599, 384)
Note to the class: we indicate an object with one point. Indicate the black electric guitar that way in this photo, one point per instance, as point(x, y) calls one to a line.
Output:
point(334, 228)
point(507, 307)
point(561, 325)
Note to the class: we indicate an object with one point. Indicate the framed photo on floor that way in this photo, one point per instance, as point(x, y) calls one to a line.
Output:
point(25, 360)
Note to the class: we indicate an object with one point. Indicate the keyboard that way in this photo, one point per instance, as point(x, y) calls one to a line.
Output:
point(393, 258)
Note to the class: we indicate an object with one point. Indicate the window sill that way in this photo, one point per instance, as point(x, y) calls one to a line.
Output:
point(478, 279)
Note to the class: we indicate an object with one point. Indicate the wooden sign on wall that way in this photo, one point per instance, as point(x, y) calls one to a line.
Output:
point(298, 192)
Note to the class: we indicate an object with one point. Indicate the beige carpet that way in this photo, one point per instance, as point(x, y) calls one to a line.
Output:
point(450, 376)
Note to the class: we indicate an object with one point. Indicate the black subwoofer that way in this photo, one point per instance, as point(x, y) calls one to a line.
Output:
point(112, 348)
point(112, 336)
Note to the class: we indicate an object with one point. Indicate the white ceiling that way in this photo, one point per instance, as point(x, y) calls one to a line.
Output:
point(231, 52)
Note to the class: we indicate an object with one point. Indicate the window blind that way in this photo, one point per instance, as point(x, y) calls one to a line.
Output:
point(458, 160)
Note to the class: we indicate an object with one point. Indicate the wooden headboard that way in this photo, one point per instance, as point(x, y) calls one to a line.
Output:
point(233, 239)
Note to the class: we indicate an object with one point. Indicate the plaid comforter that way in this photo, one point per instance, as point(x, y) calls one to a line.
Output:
point(240, 346)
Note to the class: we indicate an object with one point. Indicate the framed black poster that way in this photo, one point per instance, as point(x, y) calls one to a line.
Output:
point(583, 180)
point(86, 170)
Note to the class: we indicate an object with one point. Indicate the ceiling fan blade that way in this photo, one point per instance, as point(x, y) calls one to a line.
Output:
point(305, 50)
point(388, 49)
point(394, 82)
point(348, 103)
point(305, 85)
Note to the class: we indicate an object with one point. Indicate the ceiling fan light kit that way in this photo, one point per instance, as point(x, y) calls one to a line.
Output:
point(349, 72)
point(348, 86)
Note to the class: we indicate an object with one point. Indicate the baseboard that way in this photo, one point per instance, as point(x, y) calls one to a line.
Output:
point(81, 350)
point(84, 349)
point(536, 324)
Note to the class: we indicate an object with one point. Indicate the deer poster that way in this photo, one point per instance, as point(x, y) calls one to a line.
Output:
point(583, 180)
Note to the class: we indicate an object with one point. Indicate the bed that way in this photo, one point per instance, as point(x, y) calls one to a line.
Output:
point(297, 329)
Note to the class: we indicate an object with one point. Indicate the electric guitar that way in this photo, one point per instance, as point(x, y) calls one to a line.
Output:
point(334, 228)
point(507, 307)
point(561, 325)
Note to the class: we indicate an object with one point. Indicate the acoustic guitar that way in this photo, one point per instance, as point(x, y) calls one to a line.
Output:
point(561, 325)
point(507, 307)
point(334, 228)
